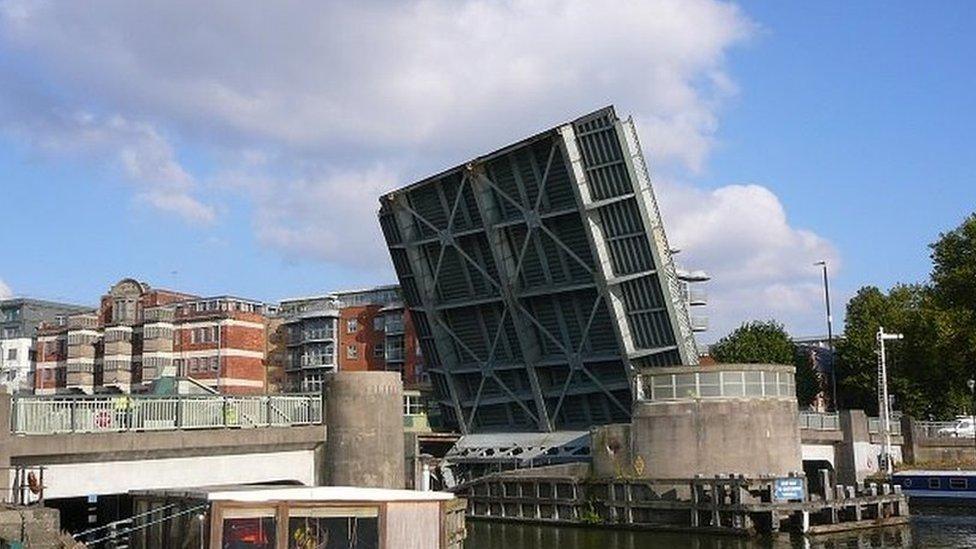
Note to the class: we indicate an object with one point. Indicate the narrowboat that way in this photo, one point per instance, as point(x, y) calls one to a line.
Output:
point(935, 486)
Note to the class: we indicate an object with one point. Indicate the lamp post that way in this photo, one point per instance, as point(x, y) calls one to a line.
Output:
point(830, 335)
point(884, 404)
point(972, 391)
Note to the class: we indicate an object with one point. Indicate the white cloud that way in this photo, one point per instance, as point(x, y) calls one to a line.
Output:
point(5, 290)
point(373, 74)
point(309, 111)
point(138, 150)
point(761, 265)
point(331, 217)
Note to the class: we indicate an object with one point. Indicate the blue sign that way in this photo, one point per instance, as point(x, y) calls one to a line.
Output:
point(788, 489)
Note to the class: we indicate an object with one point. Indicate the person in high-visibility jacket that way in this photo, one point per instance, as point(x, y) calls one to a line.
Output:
point(123, 411)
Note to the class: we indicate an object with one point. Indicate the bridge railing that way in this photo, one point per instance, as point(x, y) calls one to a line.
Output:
point(874, 424)
point(35, 415)
point(817, 421)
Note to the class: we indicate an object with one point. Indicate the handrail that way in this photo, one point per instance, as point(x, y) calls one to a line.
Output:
point(45, 415)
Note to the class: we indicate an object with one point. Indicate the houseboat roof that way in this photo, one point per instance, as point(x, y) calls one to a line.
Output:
point(252, 493)
point(934, 473)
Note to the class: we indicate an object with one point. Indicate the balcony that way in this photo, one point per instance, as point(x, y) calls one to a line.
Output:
point(309, 336)
point(699, 323)
point(315, 361)
point(318, 335)
point(83, 322)
point(158, 314)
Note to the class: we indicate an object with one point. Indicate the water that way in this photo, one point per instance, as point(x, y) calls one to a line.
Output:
point(929, 528)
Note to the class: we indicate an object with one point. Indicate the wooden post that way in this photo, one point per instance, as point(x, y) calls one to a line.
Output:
point(716, 518)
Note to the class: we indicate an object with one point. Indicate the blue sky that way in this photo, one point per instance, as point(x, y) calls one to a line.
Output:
point(142, 142)
point(860, 117)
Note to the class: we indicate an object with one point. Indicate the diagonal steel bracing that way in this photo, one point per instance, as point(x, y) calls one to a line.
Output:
point(529, 295)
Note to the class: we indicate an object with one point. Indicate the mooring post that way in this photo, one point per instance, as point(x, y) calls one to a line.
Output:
point(716, 519)
point(695, 498)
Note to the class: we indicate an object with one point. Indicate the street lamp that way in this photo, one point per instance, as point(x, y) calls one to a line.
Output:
point(830, 334)
point(884, 405)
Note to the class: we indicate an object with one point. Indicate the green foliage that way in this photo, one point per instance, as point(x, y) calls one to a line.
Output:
point(767, 342)
point(928, 370)
point(809, 382)
point(755, 342)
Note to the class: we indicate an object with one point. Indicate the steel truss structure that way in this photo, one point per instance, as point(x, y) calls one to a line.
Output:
point(538, 278)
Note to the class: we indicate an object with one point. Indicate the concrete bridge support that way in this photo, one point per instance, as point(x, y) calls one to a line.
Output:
point(364, 418)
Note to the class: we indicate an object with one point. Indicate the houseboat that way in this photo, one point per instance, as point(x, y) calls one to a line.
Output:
point(936, 486)
point(286, 517)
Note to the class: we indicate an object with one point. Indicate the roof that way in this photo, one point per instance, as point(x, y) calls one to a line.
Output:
point(43, 303)
point(934, 472)
point(250, 493)
point(366, 290)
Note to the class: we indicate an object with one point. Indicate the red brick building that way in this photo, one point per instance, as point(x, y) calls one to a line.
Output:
point(140, 334)
point(375, 333)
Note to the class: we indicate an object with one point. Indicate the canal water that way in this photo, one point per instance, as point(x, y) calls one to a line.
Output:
point(934, 528)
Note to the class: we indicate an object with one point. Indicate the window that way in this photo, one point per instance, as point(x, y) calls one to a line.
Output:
point(352, 351)
point(249, 529)
point(214, 364)
point(957, 483)
point(352, 325)
point(935, 483)
point(204, 335)
point(378, 323)
point(11, 354)
point(378, 350)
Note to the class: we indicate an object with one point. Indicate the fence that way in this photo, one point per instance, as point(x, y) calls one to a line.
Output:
point(819, 421)
point(943, 429)
point(874, 424)
point(47, 415)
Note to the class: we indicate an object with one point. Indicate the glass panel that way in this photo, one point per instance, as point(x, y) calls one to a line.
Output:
point(663, 388)
point(709, 384)
point(770, 384)
point(249, 533)
point(684, 386)
point(732, 384)
point(333, 533)
point(753, 383)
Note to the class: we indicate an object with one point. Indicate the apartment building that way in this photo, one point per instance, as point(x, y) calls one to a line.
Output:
point(140, 334)
point(353, 330)
point(19, 318)
point(306, 341)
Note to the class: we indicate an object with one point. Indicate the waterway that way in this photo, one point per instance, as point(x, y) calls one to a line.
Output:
point(936, 528)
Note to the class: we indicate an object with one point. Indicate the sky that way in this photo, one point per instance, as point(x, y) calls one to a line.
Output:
point(240, 147)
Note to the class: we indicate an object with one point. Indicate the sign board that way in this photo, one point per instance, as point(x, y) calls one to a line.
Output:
point(788, 489)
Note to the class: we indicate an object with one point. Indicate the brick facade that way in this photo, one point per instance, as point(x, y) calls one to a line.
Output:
point(140, 334)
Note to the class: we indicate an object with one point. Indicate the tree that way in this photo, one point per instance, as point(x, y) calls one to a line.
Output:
point(922, 376)
point(760, 342)
point(809, 381)
point(954, 269)
point(756, 342)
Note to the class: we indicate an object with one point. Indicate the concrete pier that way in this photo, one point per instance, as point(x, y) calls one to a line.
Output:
point(364, 419)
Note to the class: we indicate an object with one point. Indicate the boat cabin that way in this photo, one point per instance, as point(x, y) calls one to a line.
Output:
point(290, 517)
